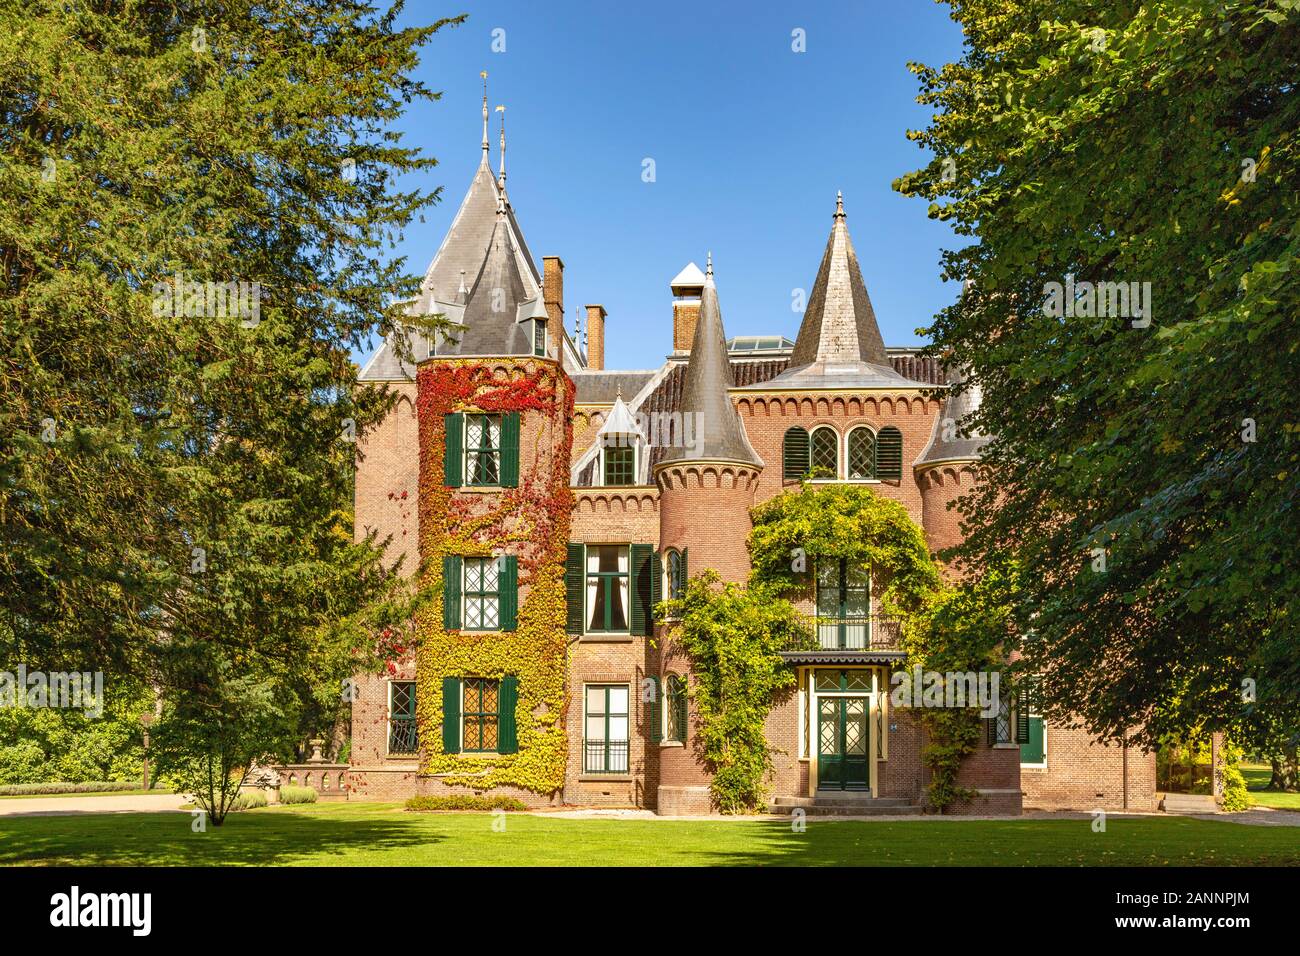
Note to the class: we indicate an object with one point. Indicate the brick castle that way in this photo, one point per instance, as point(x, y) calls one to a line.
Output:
point(652, 474)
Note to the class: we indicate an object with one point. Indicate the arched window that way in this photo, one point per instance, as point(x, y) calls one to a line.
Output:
point(862, 454)
point(825, 453)
point(889, 453)
point(794, 454)
point(675, 708)
point(676, 574)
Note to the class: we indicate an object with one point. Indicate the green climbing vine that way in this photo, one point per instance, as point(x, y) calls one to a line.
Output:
point(734, 634)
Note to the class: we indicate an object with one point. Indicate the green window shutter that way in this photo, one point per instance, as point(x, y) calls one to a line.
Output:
point(1022, 715)
point(656, 579)
point(889, 453)
point(451, 580)
point(991, 730)
point(452, 467)
point(678, 703)
point(686, 575)
point(510, 450)
point(573, 587)
point(507, 701)
point(451, 715)
point(509, 592)
point(652, 711)
point(1032, 751)
point(795, 453)
point(642, 556)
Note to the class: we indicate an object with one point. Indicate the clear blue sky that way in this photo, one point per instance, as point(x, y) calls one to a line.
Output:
point(750, 141)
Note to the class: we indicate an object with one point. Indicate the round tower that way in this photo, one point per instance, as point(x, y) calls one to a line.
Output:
point(706, 479)
point(948, 466)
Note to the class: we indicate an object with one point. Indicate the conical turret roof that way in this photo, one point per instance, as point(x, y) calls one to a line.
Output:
point(714, 426)
point(839, 343)
point(493, 310)
point(948, 440)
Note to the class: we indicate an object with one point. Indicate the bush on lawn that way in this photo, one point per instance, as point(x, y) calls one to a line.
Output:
point(291, 794)
point(249, 800)
point(465, 802)
point(93, 786)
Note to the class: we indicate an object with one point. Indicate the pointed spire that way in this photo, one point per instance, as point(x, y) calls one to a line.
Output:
point(502, 178)
point(493, 308)
point(839, 326)
point(710, 422)
point(485, 116)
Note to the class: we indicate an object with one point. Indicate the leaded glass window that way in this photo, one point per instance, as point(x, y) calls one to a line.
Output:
point(539, 338)
point(482, 594)
point(607, 588)
point(675, 709)
point(862, 454)
point(1003, 729)
point(676, 576)
point(605, 743)
point(402, 735)
point(843, 604)
point(482, 450)
point(620, 464)
point(825, 453)
point(479, 715)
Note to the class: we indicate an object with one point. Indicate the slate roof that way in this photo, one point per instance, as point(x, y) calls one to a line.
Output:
point(958, 447)
point(839, 343)
point(492, 312)
point(718, 434)
point(602, 387)
point(465, 247)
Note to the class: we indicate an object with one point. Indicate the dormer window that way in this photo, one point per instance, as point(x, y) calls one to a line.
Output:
point(539, 338)
point(618, 464)
point(620, 439)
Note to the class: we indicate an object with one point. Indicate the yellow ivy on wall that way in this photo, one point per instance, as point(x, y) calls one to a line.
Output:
point(531, 522)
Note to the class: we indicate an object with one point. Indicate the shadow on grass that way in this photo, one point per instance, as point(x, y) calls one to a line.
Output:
point(1126, 842)
point(253, 838)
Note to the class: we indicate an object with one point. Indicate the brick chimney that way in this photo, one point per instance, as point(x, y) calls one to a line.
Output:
point(553, 299)
point(687, 287)
point(595, 337)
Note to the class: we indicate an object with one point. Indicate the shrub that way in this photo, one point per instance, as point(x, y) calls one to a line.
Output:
point(249, 800)
point(93, 786)
point(1234, 784)
point(465, 802)
point(291, 794)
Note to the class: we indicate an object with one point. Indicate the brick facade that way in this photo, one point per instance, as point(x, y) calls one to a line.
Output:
point(703, 506)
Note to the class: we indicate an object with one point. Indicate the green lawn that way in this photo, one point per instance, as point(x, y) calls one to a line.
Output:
point(383, 834)
point(1257, 777)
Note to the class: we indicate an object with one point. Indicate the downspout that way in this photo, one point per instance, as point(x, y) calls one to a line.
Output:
point(1125, 769)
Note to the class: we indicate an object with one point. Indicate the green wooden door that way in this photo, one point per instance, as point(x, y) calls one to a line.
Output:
point(843, 757)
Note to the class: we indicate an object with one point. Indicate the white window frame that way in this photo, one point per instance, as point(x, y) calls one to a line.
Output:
point(628, 717)
point(588, 596)
point(464, 596)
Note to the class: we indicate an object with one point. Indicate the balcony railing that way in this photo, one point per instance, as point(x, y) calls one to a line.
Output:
point(874, 632)
point(403, 736)
point(604, 756)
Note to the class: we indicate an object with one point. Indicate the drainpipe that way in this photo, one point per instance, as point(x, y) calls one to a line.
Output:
point(1125, 769)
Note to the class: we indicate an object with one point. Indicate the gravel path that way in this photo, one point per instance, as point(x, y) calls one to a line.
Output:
point(67, 806)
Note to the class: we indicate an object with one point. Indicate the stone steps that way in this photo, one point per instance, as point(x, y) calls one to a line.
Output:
point(846, 805)
point(1189, 803)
